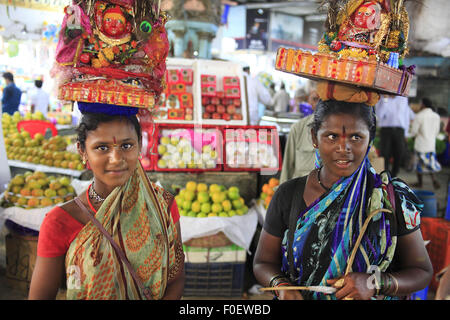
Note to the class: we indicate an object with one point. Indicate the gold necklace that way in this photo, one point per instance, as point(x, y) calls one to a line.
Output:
point(110, 41)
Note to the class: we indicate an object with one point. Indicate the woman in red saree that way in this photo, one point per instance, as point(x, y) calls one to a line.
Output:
point(141, 218)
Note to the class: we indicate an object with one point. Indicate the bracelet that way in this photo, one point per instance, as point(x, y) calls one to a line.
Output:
point(276, 277)
point(281, 284)
point(377, 287)
point(389, 283)
point(396, 284)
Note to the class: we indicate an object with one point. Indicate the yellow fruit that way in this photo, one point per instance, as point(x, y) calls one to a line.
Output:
point(189, 195)
point(46, 202)
point(214, 188)
point(196, 206)
point(206, 208)
point(203, 197)
point(25, 192)
point(216, 207)
point(226, 205)
point(191, 186)
point(37, 192)
point(212, 214)
point(201, 187)
point(33, 202)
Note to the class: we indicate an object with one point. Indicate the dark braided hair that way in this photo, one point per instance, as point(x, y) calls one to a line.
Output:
point(90, 121)
point(329, 107)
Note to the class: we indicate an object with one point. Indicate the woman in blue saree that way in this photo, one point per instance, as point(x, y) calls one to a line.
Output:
point(343, 225)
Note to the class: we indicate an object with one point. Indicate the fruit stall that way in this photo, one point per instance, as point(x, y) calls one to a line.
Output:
point(45, 171)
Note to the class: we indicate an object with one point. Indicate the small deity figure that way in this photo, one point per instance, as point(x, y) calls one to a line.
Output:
point(363, 24)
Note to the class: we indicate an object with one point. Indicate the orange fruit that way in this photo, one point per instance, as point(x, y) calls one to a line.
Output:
point(265, 188)
point(270, 192)
point(273, 182)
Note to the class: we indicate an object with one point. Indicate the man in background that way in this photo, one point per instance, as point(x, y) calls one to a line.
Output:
point(256, 92)
point(281, 99)
point(11, 95)
point(299, 154)
point(39, 99)
point(393, 117)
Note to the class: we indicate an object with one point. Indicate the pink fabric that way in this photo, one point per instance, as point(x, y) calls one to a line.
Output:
point(67, 47)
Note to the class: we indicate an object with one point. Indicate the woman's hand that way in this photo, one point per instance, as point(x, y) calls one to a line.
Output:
point(354, 286)
point(289, 295)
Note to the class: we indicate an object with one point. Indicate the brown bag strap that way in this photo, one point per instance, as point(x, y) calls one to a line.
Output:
point(146, 291)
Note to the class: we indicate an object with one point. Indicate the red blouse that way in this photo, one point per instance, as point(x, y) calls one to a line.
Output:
point(59, 229)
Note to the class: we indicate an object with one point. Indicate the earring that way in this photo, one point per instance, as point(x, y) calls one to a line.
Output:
point(315, 146)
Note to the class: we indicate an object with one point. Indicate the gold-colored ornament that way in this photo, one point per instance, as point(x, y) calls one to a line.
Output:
point(110, 41)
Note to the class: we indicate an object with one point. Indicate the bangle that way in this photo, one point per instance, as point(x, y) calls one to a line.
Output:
point(275, 278)
point(396, 284)
point(377, 287)
point(281, 284)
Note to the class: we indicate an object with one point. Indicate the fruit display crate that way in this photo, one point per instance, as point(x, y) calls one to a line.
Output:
point(437, 230)
point(223, 94)
point(176, 104)
point(251, 148)
point(186, 147)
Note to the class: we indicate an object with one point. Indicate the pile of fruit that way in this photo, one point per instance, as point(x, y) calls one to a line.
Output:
point(268, 189)
point(200, 201)
point(177, 151)
point(21, 147)
point(222, 108)
point(37, 190)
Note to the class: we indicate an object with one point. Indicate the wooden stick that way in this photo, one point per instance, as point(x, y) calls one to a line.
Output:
point(323, 289)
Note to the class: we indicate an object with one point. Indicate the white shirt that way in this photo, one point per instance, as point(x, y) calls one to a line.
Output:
point(256, 92)
point(40, 99)
point(425, 128)
point(281, 101)
point(394, 112)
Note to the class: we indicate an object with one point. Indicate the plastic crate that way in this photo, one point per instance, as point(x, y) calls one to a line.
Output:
point(437, 230)
point(189, 131)
point(420, 295)
point(223, 279)
point(244, 136)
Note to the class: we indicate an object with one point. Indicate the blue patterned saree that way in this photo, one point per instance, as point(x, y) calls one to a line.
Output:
point(326, 232)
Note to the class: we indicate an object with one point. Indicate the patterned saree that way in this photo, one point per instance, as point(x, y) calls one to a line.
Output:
point(137, 215)
point(326, 232)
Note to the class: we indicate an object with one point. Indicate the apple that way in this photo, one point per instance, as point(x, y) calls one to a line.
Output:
point(231, 109)
point(226, 117)
point(226, 101)
point(216, 115)
point(237, 102)
point(205, 101)
point(237, 116)
point(207, 115)
point(221, 108)
point(210, 108)
point(215, 100)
